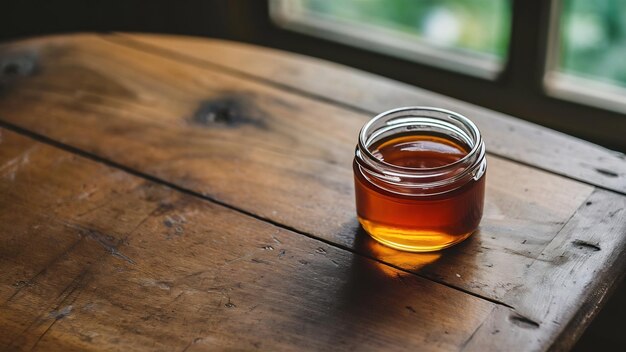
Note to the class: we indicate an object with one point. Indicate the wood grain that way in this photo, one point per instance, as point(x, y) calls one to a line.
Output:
point(505, 136)
point(564, 284)
point(276, 155)
point(96, 259)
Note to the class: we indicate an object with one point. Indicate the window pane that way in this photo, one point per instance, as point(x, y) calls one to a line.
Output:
point(439, 32)
point(586, 59)
point(593, 40)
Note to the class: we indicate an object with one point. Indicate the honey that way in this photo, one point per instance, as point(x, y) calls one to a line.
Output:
point(419, 178)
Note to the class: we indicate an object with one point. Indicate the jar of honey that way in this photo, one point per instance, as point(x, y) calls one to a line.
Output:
point(419, 176)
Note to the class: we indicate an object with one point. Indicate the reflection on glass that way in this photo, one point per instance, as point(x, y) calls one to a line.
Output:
point(593, 40)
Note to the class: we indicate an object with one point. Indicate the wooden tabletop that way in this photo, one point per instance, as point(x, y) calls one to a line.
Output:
point(172, 193)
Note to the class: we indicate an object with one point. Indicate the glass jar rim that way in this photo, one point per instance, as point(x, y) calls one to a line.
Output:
point(415, 118)
point(475, 147)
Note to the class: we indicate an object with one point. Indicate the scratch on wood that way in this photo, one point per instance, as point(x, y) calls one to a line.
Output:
point(61, 313)
point(90, 210)
point(154, 212)
point(122, 256)
point(43, 334)
point(105, 241)
point(11, 167)
point(31, 281)
point(73, 285)
point(58, 313)
point(82, 232)
point(472, 335)
point(259, 261)
point(247, 256)
point(163, 285)
point(614, 212)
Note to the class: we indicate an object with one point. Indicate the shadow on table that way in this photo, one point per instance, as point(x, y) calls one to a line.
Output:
point(374, 293)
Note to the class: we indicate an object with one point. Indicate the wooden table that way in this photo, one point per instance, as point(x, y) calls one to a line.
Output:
point(171, 193)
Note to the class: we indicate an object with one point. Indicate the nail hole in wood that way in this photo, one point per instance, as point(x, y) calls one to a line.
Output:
point(607, 173)
point(584, 244)
point(523, 322)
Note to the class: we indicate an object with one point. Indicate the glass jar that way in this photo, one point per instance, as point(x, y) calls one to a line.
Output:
point(419, 176)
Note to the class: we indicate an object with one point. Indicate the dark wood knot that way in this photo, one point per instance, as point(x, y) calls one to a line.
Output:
point(18, 64)
point(231, 110)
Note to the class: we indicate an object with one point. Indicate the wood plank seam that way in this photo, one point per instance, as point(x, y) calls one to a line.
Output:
point(151, 178)
point(556, 235)
point(582, 318)
point(521, 318)
point(122, 39)
point(573, 249)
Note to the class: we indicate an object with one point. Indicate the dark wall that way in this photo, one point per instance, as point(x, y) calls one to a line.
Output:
point(193, 17)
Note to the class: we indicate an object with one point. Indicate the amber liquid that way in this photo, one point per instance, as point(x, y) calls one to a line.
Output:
point(419, 223)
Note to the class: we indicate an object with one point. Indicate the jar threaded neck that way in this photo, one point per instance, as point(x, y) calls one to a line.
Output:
point(415, 181)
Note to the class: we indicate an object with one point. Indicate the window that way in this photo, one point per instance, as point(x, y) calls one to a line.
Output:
point(587, 56)
point(558, 63)
point(468, 36)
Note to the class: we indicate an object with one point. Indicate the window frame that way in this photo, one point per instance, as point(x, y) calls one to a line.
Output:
point(388, 42)
point(519, 90)
point(562, 85)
